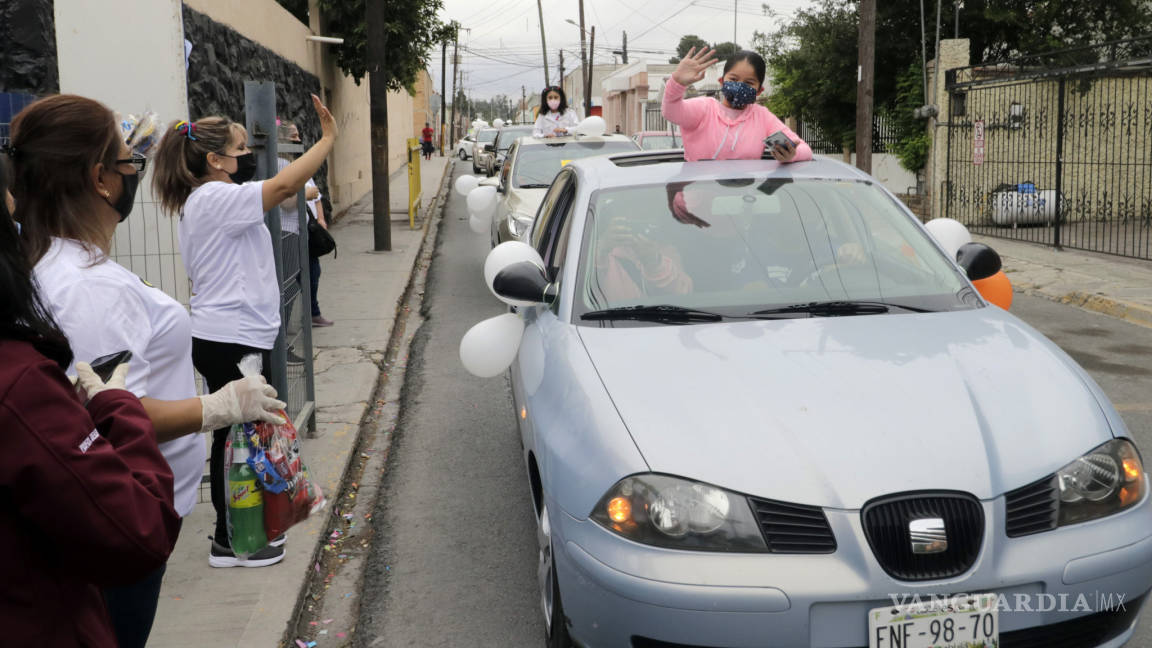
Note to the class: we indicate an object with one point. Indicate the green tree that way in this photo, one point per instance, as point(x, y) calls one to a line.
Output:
point(724, 51)
point(686, 43)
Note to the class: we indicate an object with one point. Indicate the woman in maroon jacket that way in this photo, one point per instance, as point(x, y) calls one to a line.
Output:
point(85, 495)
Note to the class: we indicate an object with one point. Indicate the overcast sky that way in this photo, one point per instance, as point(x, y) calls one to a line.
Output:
point(502, 51)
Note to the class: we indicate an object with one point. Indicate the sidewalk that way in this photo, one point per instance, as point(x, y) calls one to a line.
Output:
point(1112, 285)
point(360, 290)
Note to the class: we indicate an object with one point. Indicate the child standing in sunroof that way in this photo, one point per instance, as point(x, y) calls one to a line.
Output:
point(733, 127)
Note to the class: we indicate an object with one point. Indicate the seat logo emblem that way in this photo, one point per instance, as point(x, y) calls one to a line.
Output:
point(928, 535)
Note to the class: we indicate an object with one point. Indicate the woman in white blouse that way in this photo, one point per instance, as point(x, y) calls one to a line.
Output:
point(202, 174)
point(556, 118)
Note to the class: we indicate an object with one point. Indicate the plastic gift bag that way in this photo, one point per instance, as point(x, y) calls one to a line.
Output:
point(271, 455)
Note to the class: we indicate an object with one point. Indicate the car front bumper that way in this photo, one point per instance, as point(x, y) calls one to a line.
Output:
point(621, 594)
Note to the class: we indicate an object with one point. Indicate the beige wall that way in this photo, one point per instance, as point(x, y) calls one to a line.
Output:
point(350, 165)
point(953, 54)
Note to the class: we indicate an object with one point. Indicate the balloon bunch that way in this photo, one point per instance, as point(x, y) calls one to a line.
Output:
point(481, 202)
point(951, 234)
point(490, 347)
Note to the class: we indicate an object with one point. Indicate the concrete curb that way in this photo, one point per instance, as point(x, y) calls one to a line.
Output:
point(1127, 311)
point(350, 465)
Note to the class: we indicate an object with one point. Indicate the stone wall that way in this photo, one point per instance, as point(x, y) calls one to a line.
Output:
point(222, 60)
point(28, 47)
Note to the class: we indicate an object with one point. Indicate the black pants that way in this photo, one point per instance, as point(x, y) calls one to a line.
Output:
point(217, 361)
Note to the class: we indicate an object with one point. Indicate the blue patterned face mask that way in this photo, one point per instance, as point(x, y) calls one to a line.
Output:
point(738, 94)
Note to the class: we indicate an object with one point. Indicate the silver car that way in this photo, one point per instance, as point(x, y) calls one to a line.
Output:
point(532, 163)
point(484, 137)
point(501, 144)
point(760, 406)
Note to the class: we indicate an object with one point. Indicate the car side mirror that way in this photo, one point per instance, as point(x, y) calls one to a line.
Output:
point(501, 189)
point(978, 260)
point(524, 281)
point(489, 148)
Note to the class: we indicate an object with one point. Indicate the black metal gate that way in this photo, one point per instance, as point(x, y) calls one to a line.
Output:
point(1055, 148)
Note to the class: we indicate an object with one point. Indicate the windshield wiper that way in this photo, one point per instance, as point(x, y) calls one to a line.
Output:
point(656, 313)
point(840, 307)
point(533, 186)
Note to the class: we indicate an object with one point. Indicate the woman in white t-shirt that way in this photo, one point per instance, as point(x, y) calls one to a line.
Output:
point(556, 118)
point(202, 173)
point(74, 181)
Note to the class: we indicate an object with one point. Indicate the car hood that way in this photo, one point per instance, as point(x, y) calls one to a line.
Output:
point(525, 201)
point(836, 411)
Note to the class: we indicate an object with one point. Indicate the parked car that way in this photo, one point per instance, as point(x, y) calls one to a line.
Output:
point(464, 147)
point(484, 136)
point(532, 163)
point(503, 142)
point(655, 140)
point(759, 405)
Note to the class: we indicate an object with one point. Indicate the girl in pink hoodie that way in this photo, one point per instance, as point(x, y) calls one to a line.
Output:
point(733, 128)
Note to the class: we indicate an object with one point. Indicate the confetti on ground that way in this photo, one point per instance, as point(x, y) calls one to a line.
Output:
point(327, 621)
point(323, 632)
point(312, 623)
point(341, 635)
point(301, 644)
point(348, 595)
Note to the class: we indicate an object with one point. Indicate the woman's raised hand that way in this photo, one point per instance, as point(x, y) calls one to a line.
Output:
point(328, 126)
point(694, 65)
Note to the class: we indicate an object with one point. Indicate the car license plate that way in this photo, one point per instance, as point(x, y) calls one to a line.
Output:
point(969, 621)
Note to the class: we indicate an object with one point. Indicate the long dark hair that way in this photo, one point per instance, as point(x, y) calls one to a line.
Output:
point(22, 312)
point(544, 109)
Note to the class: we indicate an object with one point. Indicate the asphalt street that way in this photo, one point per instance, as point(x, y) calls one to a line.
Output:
point(455, 560)
point(456, 553)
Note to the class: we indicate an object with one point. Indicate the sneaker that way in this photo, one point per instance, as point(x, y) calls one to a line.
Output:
point(278, 541)
point(319, 321)
point(221, 556)
point(294, 359)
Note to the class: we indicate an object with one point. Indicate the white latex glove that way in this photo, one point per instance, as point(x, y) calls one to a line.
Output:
point(241, 401)
point(90, 384)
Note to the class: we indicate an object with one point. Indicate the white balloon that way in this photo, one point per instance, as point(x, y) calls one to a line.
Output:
point(482, 202)
point(478, 224)
point(504, 255)
point(465, 184)
point(489, 348)
point(950, 233)
point(498, 123)
point(591, 126)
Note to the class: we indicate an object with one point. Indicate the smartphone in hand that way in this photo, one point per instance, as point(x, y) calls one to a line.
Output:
point(779, 139)
point(105, 365)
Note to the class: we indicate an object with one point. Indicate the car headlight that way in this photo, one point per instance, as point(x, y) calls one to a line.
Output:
point(518, 223)
point(679, 514)
point(1104, 481)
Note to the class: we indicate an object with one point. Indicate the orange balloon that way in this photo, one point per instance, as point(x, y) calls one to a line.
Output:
point(996, 289)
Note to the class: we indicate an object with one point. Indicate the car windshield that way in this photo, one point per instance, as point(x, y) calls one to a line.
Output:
point(486, 136)
point(509, 135)
point(536, 166)
point(654, 142)
point(744, 245)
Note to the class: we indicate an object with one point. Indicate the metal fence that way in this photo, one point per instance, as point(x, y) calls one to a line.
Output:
point(883, 137)
point(292, 373)
point(1055, 148)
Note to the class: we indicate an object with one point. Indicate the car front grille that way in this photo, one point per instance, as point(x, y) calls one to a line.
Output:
point(886, 526)
point(1032, 508)
point(793, 528)
point(1088, 630)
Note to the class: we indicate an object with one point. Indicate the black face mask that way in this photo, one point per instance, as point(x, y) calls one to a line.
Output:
point(123, 205)
point(245, 168)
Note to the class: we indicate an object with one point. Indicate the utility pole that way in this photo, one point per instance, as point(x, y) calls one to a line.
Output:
point(523, 101)
point(443, 81)
point(376, 17)
point(591, 74)
point(585, 83)
point(543, 45)
point(734, 5)
point(561, 82)
point(625, 55)
point(866, 59)
point(455, 71)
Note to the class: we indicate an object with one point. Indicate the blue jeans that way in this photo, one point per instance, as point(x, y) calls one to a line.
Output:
point(314, 275)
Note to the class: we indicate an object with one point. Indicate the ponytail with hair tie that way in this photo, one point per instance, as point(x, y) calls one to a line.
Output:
point(186, 128)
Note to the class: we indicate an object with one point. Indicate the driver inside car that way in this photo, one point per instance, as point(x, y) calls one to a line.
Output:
point(632, 263)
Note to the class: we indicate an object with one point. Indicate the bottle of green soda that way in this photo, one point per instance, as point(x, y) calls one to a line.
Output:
point(245, 501)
